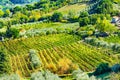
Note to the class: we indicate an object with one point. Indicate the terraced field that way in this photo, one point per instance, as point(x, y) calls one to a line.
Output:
point(38, 43)
point(51, 49)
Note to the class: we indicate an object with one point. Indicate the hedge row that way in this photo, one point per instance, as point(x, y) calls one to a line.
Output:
point(100, 43)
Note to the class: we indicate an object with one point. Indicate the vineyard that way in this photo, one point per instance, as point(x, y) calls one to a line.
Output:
point(60, 40)
point(51, 49)
point(38, 43)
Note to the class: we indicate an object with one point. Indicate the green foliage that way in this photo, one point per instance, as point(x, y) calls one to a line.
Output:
point(35, 61)
point(57, 17)
point(84, 21)
point(10, 77)
point(104, 7)
point(44, 75)
point(115, 68)
point(12, 32)
point(100, 43)
point(83, 14)
point(105, 26)
point(1, 24)
point(80, 75)
point(93, 18)
point(16, 9)
point(20, 17)
point(102, 68)
point(1, 13)
point(4, 61)
point(72, 16)
point(7, 13)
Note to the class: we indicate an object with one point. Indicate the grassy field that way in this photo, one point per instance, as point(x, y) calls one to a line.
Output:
point(76, 8)
point(66, 9)
point(44, 25)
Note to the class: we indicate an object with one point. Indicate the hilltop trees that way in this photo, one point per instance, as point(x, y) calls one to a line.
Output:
point(104, 7)
point(83, 19)
point(57, 16)
point(105, 26)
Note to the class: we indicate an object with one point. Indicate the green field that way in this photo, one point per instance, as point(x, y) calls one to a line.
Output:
point(51, 49)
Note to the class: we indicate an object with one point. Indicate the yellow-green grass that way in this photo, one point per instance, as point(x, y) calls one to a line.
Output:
point(73, 7)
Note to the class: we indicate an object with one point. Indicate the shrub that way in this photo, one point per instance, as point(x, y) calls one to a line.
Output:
point(80, 75)
point(66, 66)
point(84, 21)
point(91, 41)
point(103, 44)
point(117, 47)
point(1, 24)
point(115, 68)
point(60, 30)
point(68, 30)
point(35, 61)
point(42, 33)
point(102, 68)
point(44, 75)
point(57, 16)
point(10, 77)
point(12, 32)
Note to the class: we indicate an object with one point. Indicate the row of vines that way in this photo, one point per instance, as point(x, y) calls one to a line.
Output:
point(62, 59)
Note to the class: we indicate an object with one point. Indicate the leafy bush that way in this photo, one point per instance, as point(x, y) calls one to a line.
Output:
point(44, 75)
point(35, 61)
point(115, 68)
point(10, 77)
point(12, 32)
point(102, 68)
point(84, 21)
point(80, 75)
point(99, 43)
point(66, 66)
point(91, 41)
point(57, 16)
